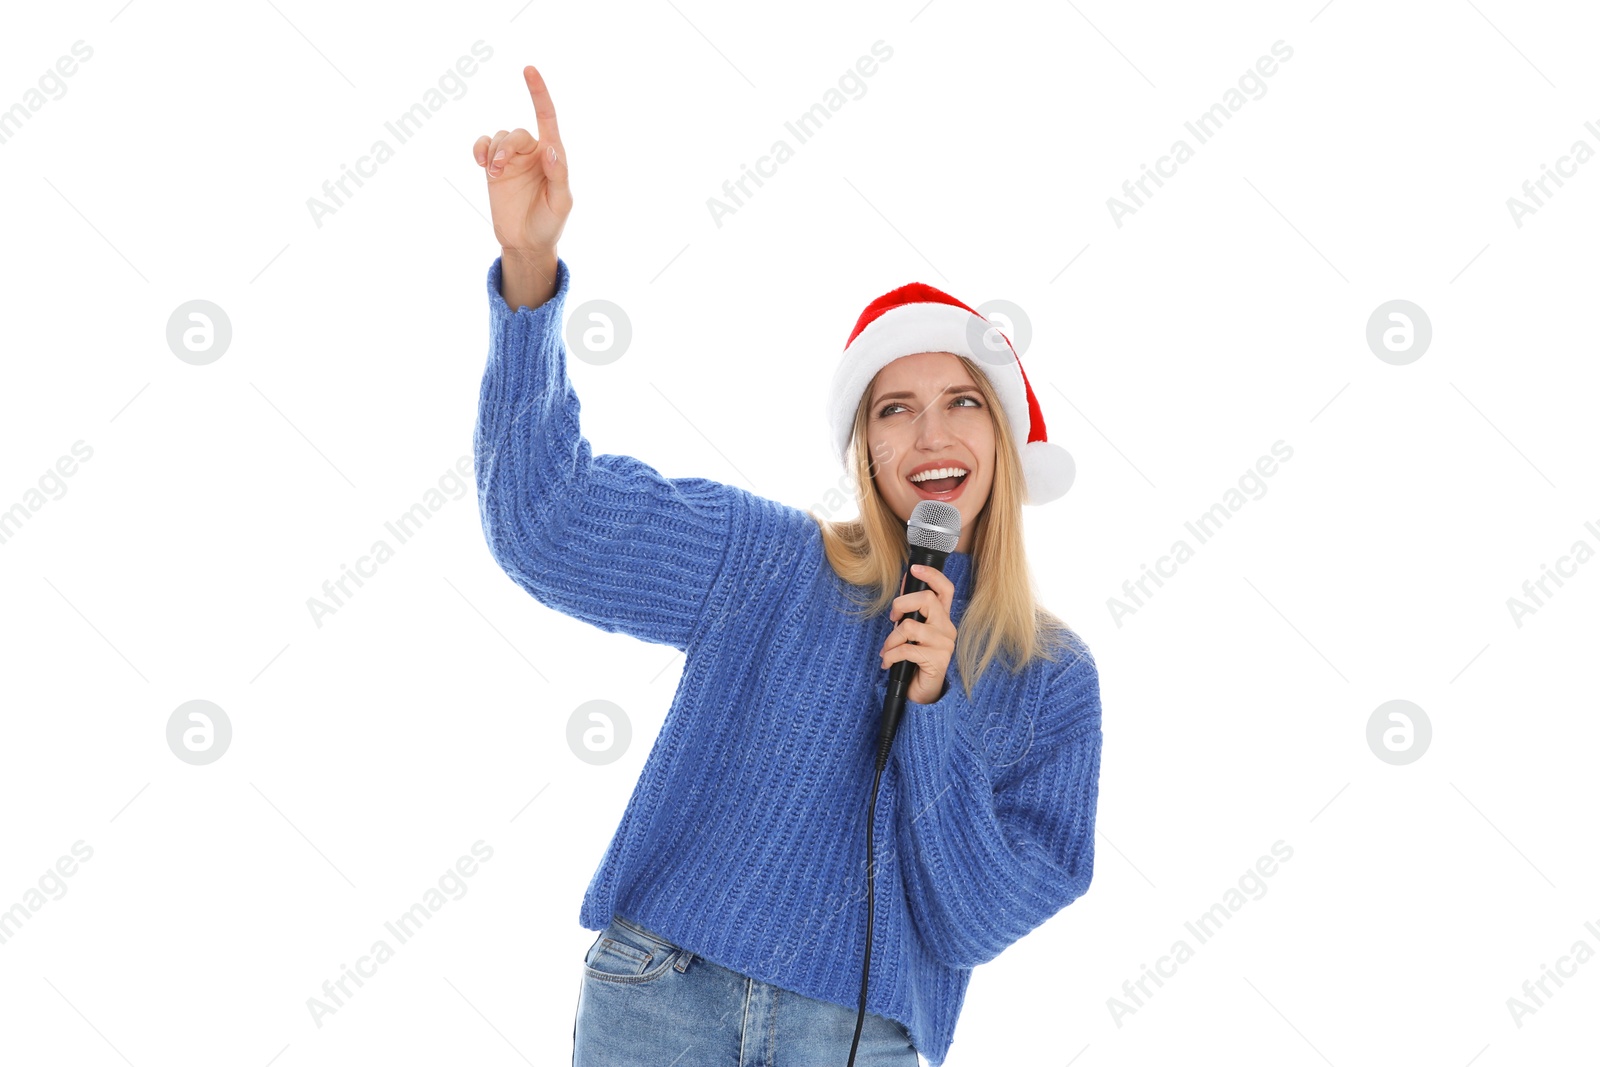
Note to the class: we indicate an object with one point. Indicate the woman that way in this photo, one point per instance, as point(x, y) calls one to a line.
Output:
point(730, 904)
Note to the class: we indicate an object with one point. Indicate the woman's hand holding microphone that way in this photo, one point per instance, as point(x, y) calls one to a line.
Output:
point(529, 199)
point(930, 644)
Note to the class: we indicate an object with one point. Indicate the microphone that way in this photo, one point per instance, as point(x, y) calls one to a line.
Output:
point(931, 534)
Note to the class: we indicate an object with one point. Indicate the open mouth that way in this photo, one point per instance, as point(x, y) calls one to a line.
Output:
point(941, 488)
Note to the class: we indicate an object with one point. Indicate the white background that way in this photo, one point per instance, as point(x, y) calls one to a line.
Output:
point(1169, 354)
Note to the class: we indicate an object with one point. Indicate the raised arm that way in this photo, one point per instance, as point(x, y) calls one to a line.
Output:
point(606, 539)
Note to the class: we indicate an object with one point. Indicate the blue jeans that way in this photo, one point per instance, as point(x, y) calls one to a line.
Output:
point(644, 1000)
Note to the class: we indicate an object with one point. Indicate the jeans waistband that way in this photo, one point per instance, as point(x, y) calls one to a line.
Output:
point(639, 931)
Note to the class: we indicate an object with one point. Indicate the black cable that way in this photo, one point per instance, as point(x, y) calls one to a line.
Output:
point(866, 957)
point(941, 523)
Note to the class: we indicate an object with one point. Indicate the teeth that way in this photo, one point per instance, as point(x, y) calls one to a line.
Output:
point(940, 472)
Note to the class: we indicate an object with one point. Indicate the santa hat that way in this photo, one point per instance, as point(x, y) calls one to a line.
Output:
point(919, 318)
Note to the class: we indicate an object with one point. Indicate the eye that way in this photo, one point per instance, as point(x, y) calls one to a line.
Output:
point(884, 411)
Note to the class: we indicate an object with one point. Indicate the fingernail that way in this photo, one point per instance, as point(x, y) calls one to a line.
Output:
point(500, 155)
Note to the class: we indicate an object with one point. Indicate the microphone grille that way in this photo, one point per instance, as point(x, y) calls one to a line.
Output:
point(934, 524)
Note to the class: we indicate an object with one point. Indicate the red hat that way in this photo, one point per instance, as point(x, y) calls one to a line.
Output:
point(919, 318)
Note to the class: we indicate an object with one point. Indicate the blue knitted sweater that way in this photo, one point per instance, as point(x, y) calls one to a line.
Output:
point(745, 838)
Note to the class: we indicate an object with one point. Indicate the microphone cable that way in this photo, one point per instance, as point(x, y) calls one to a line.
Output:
point(932, 534)
point(866, 956)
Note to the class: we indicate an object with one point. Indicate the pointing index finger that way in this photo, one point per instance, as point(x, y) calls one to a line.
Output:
point(544, 111)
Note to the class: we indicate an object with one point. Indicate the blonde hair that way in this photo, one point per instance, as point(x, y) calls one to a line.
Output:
point(1003, 616)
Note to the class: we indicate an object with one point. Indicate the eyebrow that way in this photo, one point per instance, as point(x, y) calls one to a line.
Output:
point(903, 394)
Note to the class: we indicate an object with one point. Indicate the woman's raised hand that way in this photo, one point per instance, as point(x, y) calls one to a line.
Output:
point(529, 198)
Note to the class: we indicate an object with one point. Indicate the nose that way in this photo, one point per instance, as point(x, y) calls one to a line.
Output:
point(932, 433)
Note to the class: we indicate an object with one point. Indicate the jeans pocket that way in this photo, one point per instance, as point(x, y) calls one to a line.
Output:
point(619, 955)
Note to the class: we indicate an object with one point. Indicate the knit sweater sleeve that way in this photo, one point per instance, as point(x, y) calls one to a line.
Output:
point(997, 810)
point(606, 539)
